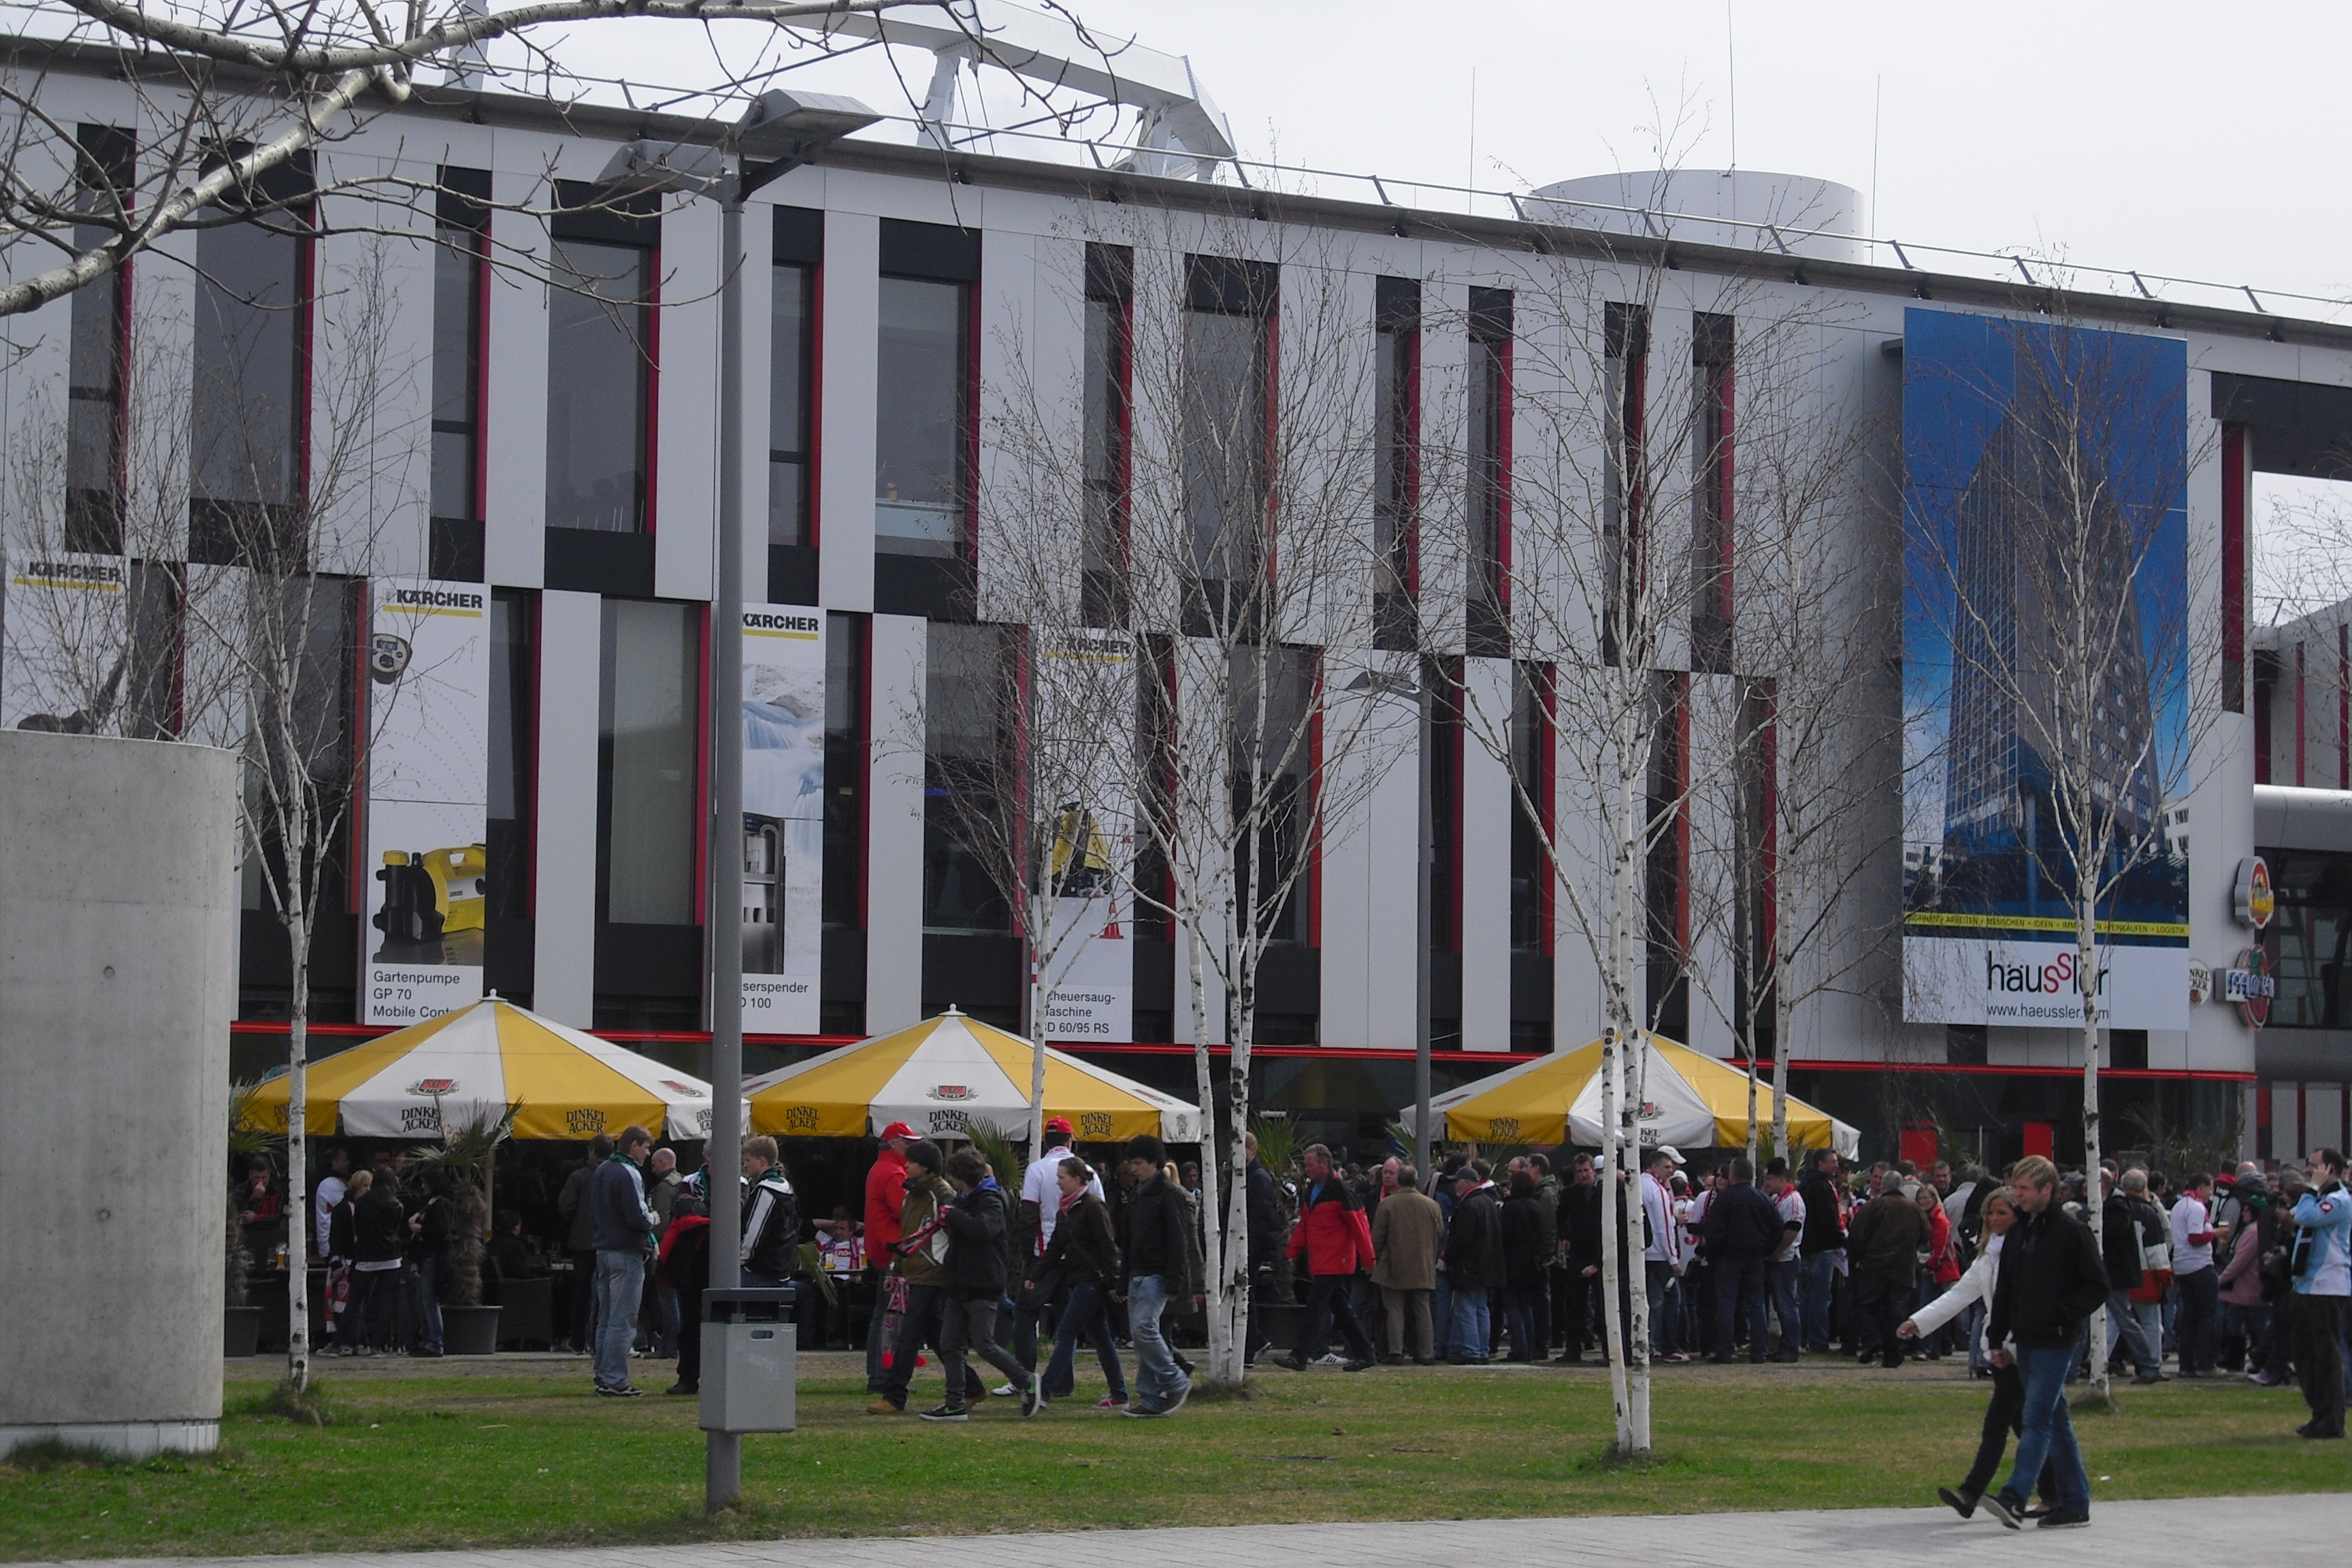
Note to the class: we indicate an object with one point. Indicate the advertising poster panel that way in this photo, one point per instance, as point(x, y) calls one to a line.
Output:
point(64, 654)
point(1090, 981)
point(1993, 411)
point(429, 663)
point(783, 817)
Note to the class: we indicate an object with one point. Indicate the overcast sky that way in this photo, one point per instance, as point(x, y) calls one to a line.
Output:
point(2190, 141)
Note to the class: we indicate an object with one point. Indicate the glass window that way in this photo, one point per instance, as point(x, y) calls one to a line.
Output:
point(252, 308)
point(514, 688)
point(1224, 443)
point(94, 410)
point(792, 344)
point(1490, 458)
point(1531, 769)
point(651, 794)
point(1278, 883)
point(844, 771)
point(1396, 367)
point(599, 375)
point(461, 271)
point(968, 747)
point(920, 433)
point(2310, 939)
point(1627, 331)
point(1711, 537)
point(1110, 271)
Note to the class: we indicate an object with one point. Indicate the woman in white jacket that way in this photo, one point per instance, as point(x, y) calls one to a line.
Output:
point(2004, 1415)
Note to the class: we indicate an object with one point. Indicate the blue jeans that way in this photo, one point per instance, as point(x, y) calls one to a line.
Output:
point(2125, 1327)
point(1086, 1316)
point(1821, 1275)
point(1782, 1280)
point(620, 1282)
point(1468, 1336)
point(1158, 1379)
point(877, 1377)
point(2048, 1433)
point(424, 1306)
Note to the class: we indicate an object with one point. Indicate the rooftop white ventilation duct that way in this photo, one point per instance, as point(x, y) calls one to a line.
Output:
point(1748, 209)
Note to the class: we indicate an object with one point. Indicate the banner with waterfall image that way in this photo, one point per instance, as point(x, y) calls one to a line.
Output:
point(783, 817)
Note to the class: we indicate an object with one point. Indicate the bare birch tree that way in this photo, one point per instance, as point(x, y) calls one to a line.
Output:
point(2046, 550)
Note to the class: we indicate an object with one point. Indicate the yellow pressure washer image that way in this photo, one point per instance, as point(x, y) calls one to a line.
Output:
point(433, 894)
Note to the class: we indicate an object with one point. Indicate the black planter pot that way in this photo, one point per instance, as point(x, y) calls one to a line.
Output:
point(240, 1331)
point(469, 1331)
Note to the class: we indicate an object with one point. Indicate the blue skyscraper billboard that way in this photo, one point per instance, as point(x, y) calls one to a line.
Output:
point(2044, 670)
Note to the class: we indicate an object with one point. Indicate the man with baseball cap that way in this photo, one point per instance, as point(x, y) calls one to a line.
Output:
point(886, 1196)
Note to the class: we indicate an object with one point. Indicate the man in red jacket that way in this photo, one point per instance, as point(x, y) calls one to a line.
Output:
point(886, 1196)
point(1334, 1238)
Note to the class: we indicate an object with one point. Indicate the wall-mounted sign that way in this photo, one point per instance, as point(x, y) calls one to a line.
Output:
point(2200, 982)
point(2252, 895)
point(2252, 986)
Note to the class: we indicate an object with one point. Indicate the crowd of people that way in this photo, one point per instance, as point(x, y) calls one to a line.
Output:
point(2203, 1276)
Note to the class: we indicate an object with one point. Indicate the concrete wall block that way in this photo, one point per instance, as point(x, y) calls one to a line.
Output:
point(893, 899)
point(571, 660)
point(846, 394)
point(118, 918)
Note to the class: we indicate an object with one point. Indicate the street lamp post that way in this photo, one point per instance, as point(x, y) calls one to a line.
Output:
point(781, 131)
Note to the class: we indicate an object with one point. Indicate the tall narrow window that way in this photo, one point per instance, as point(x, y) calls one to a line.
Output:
point(1396, 541)
point(1110, 316)
point(791, 376)
point(1711, 536)
point(846, 731)
point(968, 747)
point(1280, 791)
point(1532, 769)
point(251, 411)
point(2237, 481)
point(1446, 733)
point(600, 366)
point(1489, 604)
point(650, 797)
point(1228, 340)
point(99, 355)
point(514, 731)
point(1669, 859)
point(1755, 868)
point(461, 286)
point(1626, 334)
point(920, 472)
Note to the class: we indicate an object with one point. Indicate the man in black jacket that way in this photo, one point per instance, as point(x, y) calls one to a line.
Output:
point(1581, 1313)
point(2052, 1278)
point(1162, 1265)
point(1817, 1248)
point(1474, 1263)
point(974, 1271)
point(1742, 1230)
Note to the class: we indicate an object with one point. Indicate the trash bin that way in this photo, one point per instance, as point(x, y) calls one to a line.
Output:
point(749, 1364)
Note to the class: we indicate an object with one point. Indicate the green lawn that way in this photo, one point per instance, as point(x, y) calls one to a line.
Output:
point(526, 1456)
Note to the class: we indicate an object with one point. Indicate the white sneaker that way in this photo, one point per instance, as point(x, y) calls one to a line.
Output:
point(1003, 1391)
point(1330, 1358)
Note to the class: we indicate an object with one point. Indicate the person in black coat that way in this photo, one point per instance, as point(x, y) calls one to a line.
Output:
point(379, 1237)
point(1522, 1238)
point(1578, 1312)
point(1474, 1263)
point(1743, 1229)
point(1265, 1244)
point(2052, 1280)
point(974, 1285)
point(1084, 1257)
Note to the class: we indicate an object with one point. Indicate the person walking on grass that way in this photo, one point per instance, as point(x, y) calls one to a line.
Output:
point(1162, 1263)
point(1084, 1257)
point(2323, 1281)
point(974, 1275)
point(624, 1240)
point(1336, 1243)
point(920, 1281)
point(1883, 1245)
point(1975, 1288)
point(885, 1201)
point(2050, 1281)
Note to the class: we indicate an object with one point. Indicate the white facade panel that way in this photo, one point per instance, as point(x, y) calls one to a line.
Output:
point(686, 414)
point(563, 962)
point(514, 409)
point(1487, 808)
point(894, 867)
point(846, 392)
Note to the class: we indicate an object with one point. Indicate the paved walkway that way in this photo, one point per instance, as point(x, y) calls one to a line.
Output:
point(2263, 1532)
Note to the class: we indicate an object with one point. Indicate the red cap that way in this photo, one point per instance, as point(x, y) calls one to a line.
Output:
point(897, 1130)
point(1058, 1124)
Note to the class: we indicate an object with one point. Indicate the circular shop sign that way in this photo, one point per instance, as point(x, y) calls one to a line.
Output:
point(2252, 895)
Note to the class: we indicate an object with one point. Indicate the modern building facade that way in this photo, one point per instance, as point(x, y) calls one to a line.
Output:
point(546, 432)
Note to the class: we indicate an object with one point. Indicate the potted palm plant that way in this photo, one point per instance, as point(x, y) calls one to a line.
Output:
point(240, 1321)
point(469, 1154)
